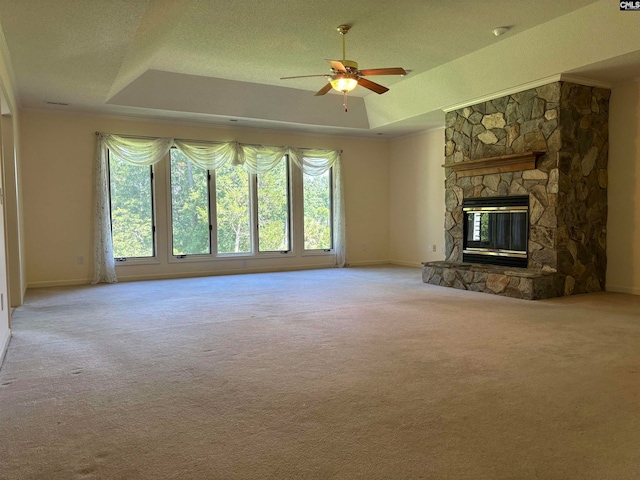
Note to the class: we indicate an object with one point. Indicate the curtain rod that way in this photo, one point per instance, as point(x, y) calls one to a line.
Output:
point(201, 141)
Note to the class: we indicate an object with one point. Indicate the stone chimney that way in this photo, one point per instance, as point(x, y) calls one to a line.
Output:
point(567, 124)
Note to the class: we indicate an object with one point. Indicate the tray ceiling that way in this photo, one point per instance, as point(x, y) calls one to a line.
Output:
point(218, 60)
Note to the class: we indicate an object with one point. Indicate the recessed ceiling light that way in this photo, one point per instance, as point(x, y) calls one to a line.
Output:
point(500, 31)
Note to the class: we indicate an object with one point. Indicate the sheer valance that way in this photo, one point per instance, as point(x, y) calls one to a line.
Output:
point(254, 159)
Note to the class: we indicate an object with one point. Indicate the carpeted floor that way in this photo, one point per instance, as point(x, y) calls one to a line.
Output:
point(360, 373)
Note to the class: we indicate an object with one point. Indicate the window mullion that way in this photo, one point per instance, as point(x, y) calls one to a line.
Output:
point(154, 240)
point(253, 201)
point(213, 212)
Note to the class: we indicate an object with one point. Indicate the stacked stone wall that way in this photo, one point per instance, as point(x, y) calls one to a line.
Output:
point(522, 122)
point(582, 200)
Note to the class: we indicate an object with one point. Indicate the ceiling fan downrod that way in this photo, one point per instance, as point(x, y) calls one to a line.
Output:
point(344, 29)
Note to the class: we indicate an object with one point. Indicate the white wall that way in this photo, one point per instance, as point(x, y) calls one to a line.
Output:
point(8, 105)
point(623, 226)
point(12, 212)
point(394, 190)
point(417, 207)
point(57, 156)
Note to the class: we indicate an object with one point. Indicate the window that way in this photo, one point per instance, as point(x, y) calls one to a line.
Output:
point(273, 209)
point(131, 197)
point(233, 210)
point(317, 211)
point(190, 224)
point(211, 215)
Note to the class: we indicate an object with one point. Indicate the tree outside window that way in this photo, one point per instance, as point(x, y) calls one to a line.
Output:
point(317, 211)
point(273, 209)
point(189, 207)
point(131, 196)
point(233, 210)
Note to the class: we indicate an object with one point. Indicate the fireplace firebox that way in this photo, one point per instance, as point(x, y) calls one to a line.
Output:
point(496, 230)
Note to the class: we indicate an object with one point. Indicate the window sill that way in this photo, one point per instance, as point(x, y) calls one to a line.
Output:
point(138, 261)
point(318, 253)
point(230, 257)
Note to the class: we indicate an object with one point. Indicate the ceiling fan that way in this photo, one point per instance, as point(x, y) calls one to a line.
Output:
point(345, 75)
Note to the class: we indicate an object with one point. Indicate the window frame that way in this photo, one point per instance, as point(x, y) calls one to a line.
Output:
point(196, 257)
point(290, 210)
point(154, 259)
point(252, 219)
point(320, 251)
point(162, 221)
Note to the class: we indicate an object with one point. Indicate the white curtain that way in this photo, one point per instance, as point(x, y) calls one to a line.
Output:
point(317, 162)
point(209, 155)
point(138, 151)
point(254, 159)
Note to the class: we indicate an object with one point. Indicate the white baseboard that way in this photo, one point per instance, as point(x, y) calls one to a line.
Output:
point(406, 264)
point(58, 283)
point(367, 263)
point(168, 276)
point(620, 289)
point(234, 271)
point(4, 345)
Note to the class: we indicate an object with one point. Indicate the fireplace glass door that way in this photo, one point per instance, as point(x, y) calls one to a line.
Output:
point(496, 230)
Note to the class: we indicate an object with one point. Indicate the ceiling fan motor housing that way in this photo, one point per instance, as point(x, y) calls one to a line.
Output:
point(350, 65)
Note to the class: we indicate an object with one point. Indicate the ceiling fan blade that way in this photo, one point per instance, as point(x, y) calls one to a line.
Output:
point(374, 87)
point(383, 71)
point(304, 76)
point(337, 66)
point(323, 90)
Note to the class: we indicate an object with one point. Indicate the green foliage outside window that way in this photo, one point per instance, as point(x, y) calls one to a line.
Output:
point(189, 206)
point(232, 209)
point(131, 209)
point(317, 211)
point(273, 209)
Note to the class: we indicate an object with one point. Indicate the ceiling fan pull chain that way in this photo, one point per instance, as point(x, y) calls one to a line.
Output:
point(344, 102)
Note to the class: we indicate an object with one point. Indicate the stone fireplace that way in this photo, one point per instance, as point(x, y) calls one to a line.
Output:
point(547, 147)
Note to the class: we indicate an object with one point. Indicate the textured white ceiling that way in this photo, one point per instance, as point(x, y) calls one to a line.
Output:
point(218, 59)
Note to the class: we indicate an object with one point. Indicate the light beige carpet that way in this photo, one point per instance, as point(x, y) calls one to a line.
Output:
point(342, 373)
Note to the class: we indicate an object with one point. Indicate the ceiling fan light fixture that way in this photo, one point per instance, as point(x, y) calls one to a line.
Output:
point(344, 83)
point(346, 76)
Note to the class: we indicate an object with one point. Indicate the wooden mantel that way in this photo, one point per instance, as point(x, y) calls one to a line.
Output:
point(501, 164)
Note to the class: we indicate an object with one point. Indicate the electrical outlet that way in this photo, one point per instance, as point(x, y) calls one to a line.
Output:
point(80, 260)
point(434, 248)
point(244, 263)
